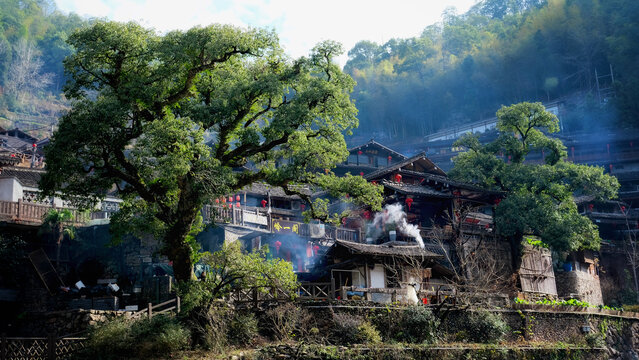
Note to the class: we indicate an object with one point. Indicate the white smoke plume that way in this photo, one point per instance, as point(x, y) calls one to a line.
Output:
point(393, 213)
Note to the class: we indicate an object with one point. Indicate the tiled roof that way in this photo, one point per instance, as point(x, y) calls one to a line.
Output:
point(375, 143)
point(394, 167)
point(415, 189)
point(386, 250)
point(26, 176)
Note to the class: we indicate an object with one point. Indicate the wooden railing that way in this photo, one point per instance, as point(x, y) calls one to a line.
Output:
point(161, 308)
point(306, 291)
point(258, 218)
point(24, 212)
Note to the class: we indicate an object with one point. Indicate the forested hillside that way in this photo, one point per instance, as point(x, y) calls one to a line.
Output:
point(502, 52)
point(33, 44)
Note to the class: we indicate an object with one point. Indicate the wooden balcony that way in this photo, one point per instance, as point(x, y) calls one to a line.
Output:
point(32, 214)
point(259, 219)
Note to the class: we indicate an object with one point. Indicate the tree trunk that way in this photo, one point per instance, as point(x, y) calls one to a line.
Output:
point(176, 247)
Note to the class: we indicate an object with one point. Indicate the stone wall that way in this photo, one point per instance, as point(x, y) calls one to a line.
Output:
point(581, 283)
point(62, 323)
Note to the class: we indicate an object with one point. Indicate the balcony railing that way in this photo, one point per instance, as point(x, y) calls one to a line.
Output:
point(32, 214)
point(259, 219)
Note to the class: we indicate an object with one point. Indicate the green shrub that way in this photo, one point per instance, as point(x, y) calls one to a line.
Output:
point(351, 329)
point(417, 324)
point(595, 340)
point(243, 329)
point(484, 327)
point(140, 338)
point(368, 334)
point(110, 340)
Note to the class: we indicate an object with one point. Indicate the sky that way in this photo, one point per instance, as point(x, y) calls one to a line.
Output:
point(300, 24)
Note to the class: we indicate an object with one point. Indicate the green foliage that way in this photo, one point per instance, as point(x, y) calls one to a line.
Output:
point(243, 329)
point(168, 118)
point(417, 324)
point(231, 269)
point(141, 338)
point(595, 340)
point(352, 329)
point(538, 198)
point(485, 327)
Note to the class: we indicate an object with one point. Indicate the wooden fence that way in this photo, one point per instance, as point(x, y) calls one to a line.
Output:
point(161, 308)
point(40, 348)
point(306, 291)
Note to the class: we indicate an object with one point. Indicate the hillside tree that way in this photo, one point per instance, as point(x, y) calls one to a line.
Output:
point(178, 120)
point(538, 198)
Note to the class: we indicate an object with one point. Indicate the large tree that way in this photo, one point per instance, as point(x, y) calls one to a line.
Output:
point(175, 121)
point(538, 198)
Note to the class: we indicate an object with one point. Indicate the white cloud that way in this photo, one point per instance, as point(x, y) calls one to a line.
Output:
point(300, 23)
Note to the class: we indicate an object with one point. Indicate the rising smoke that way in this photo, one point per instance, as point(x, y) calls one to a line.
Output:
point(394, 214)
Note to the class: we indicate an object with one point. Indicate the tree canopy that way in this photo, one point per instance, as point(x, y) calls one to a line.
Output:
point(175, 121)
point(538, 198)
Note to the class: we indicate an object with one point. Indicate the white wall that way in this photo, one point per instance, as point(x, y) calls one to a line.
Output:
point(10, 189)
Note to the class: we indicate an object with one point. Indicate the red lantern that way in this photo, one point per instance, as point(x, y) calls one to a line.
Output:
point(237, 204)
point(302, 206)
point(497, 201)
point(217, 201)
point(359, 152)
point(374, 182)
point(224, 199)
point(367, 214)
point(398, 178)
point(237, 197)
point(315, 249)
point(361, 173)
point(623, 209)
point(591, 207)
point(425, 301)
point(343, 221)
point(230, 205)
point(35, 145)
point(409, 202)
point(347, 196)
point(230, 198)
point(278, 244)
point(457, 193)
point(389, 159)
point(264, 202)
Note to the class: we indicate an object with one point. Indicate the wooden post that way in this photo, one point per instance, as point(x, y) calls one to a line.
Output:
point(19, 210)
point(332, 295)
point(394, 295)
point(343, 293)
point(177, 304)
point(50, 347)
point(150, 310)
